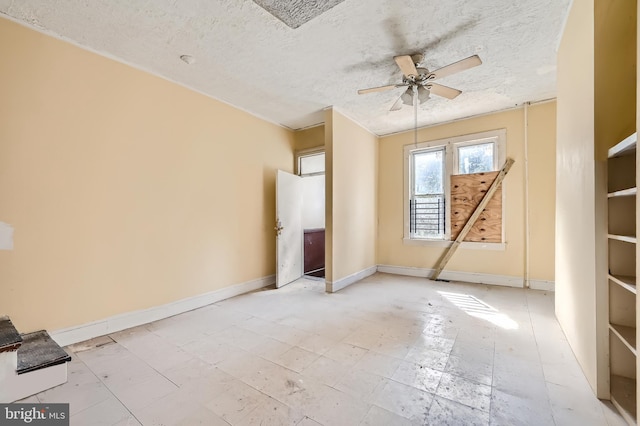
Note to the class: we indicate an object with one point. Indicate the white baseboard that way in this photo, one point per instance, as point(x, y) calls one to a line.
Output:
point(469, 277)
point(80, 333)
point(332, 287)
point(542, 285)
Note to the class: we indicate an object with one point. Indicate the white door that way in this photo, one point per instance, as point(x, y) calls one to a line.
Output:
point(288, 228)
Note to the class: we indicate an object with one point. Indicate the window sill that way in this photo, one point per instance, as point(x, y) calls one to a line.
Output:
point(465, 245)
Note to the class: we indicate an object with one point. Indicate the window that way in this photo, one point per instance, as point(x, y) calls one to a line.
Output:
point(310, 163)
point(428, 200)
point(428, 167)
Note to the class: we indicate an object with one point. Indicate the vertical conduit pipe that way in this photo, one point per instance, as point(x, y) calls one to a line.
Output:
point(527, 233)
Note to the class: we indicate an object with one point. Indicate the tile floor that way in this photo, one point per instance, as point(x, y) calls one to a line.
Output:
point(389, 350)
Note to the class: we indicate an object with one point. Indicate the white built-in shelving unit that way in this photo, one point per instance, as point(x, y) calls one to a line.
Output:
point(622, 190)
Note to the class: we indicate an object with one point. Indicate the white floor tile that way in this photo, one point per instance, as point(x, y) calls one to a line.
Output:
point(108, 412)
point(236, 402)
point(379, 364)
point(359, 383)
point(464, 391)
point(475, 371)
point(144, 393)
point(389, 350)
point(403, 400)
point(202, 416)
point(418, 376)
point(271, 413)
point(337, 408)
point(204, 389)
point(270, 348)
point(317, 343)
point(427, 357)
point(380, 417)
point(296, 359)
point(444, 412)
point(326, 370)
point(170, 409)
point(78, 397)
point(189, 370)
point(510, 410)
point(308, 422)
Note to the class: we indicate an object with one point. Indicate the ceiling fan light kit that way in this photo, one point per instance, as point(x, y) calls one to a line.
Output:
point(407, 96)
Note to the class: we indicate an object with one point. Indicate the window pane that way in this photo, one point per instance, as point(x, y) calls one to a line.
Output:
point(427, 168)
point(475, 158)
point(312, 164)
point(427, 200)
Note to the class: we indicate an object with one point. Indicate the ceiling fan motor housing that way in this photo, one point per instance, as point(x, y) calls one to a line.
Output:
point(421, 79)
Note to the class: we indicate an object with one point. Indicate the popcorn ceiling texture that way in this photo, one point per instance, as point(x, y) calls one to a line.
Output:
point(248, 58)
point(296, 12)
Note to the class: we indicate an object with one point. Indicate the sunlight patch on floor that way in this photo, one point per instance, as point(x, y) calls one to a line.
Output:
point(475, 307)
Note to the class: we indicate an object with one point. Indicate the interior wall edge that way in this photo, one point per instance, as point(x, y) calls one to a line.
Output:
point(332, 287)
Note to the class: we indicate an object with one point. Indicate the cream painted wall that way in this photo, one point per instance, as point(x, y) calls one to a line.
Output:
point(542, 182)
point(313, 137)
point(510, 262)
point(352, 158)
point(575, 182)
point(637, 180)
point(126, 191)
point(615, 73)
point(328, 203)
point(615, 119)
point(596, 109)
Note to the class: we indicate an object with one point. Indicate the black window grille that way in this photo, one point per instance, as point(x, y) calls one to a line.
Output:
point(427, 216)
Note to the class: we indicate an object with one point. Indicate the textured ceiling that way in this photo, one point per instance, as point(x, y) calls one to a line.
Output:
point(249, 58)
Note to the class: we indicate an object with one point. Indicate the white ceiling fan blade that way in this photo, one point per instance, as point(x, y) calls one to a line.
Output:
point(377, 89)
point(444, 91)
point(397, 105)
point(464, 64)
point(406, 65)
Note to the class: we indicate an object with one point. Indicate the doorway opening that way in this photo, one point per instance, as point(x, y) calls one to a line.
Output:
point(310, 166)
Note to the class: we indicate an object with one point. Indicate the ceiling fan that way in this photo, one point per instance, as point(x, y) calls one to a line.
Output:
point(419, 81)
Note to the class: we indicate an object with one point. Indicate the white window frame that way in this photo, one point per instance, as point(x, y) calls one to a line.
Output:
point(309, 153)
point(451, 145)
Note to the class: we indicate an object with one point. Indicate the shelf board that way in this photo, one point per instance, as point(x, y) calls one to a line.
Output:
point(626, 147)
point(623, 192)
point(626, 282)
point(626, 334)
point(623, 396)
point(625, 238)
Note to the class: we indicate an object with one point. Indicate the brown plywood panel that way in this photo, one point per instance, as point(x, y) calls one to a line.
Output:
point(466, 193)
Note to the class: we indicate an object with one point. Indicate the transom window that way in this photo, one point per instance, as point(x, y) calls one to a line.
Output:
point(428, 167)
point(311, 163)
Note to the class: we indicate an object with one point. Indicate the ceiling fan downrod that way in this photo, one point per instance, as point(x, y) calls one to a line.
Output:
point(415, 116)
